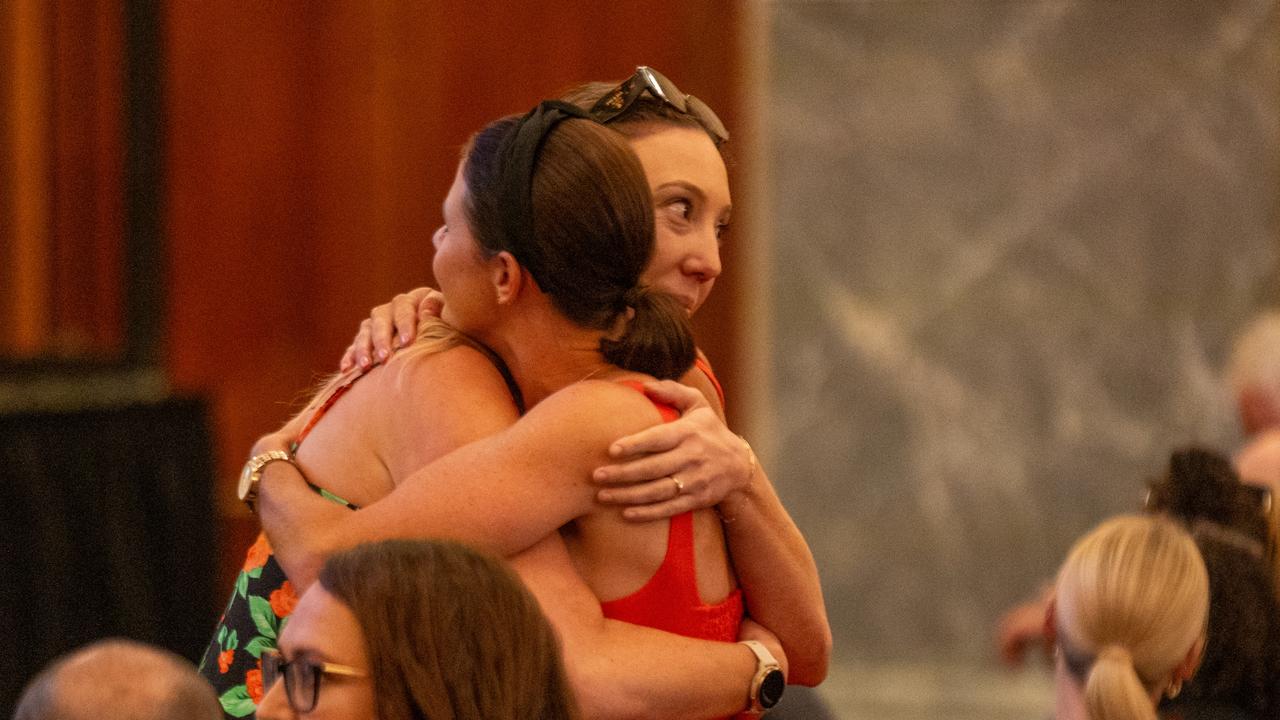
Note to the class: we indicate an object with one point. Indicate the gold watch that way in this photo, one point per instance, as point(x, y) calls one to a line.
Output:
point(251, 475)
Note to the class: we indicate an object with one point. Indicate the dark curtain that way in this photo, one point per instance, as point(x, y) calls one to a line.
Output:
point(108, 532)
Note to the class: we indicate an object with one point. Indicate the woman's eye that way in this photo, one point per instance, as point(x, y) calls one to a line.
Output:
point(721, 229)
point(682, 207)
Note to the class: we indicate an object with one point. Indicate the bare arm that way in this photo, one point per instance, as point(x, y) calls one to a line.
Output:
point(1023, 626)
point(502, 493)
point(618, 670)
point(772, 559)
point(442, 401)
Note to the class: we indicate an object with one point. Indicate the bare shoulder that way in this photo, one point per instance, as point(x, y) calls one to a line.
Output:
point(461, 371)
point(448, 398)
point(598, 408)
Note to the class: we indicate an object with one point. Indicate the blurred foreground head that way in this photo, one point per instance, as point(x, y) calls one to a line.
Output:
point(118, 680)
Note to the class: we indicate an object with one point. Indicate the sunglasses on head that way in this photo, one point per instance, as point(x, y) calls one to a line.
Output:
point(301, 678)
point(1260, 499)
point(1265, 503)
point(618, 101)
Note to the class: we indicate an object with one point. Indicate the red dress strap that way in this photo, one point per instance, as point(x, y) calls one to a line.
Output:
point(336, 392)
point(668, 412)
point(702, 364)
point(670, 600)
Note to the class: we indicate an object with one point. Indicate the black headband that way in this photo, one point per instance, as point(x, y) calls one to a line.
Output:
point(517, 159)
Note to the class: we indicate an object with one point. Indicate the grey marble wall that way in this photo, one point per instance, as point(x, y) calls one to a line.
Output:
point(1012, 241)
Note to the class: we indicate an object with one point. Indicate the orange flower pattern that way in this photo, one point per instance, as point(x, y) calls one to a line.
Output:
point(253, 682)
point(249, 626)
point(283, 600)
point(258, 554)
point(260, 603)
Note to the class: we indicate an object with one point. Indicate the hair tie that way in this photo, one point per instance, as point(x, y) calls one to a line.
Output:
point(518, 158)
point(1115, 653)
point(634, 295)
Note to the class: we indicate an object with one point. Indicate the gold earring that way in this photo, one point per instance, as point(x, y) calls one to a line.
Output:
point(1175, 689)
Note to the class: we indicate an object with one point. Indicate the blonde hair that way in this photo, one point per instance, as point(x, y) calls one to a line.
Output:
point(434, 336)
point(1132, 601)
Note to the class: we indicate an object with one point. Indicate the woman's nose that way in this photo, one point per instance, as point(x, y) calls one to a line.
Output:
point(704, 262)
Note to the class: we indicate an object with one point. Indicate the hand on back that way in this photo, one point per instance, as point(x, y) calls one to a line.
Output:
point(391, 326)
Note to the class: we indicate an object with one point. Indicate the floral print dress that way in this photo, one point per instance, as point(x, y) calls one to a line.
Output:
point(262, 601)
point(260, 606)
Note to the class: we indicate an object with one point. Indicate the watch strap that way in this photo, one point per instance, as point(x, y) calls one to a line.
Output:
point(252, 473)
point(766, 665)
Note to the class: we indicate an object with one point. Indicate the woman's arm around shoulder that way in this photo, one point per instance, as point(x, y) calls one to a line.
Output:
point(440, 401)
point(502, 493)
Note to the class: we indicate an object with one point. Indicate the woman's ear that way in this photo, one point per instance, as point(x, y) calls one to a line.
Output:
point(1051, 619)
point(1257, 410)
point(507, 277)
point(1191, 663)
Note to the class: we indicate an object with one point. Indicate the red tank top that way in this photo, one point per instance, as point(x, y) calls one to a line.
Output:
point(701, 363)
point(669, 600)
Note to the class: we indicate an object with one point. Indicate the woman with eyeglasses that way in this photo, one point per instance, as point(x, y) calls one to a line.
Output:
point(408, 629)
point(1129, 614)
point(540, 265)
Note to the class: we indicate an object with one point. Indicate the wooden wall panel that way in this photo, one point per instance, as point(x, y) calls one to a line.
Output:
point(63, 192)
point(26, 201)
point(309, 146)
point(88, 147)
point(63, 219)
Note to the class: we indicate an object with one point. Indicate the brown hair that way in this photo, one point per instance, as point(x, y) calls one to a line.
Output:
point(592, 237)
point(451, 634)
point(1241, 662)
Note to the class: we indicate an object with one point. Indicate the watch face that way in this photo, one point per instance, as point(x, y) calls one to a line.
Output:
point(245, 475)
point(771, 688)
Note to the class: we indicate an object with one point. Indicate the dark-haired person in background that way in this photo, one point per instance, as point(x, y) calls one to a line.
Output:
point(1231, 523)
